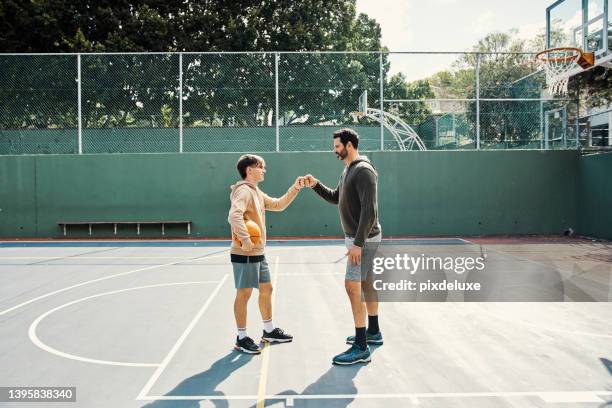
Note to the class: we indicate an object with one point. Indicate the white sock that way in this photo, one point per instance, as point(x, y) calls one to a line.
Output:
point(242, 333)
point(268, 326)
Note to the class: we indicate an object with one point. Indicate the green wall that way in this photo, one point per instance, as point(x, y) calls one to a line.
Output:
point(420, 193)
point(594, 195)
point(166, 140)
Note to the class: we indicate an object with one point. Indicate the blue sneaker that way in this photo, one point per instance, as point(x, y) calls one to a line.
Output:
point(375, 339)
point(353, 355)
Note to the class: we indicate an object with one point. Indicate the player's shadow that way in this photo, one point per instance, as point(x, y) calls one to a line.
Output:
point(608, 365)
point(337, 380)
point(205, 383)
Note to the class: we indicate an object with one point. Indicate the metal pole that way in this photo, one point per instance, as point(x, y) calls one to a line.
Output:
point(79, 113)
point(478, 101)
point(607, 31)
point(541, 125)
point(577, 122)
point(276, 58)
point(382, 106)
point(180, 102)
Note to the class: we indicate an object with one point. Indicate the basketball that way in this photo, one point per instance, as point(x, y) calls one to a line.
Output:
point(254, 232)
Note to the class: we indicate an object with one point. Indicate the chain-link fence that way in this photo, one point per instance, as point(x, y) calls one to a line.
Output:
point(265, 102)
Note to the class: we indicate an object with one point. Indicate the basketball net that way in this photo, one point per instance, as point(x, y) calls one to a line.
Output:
point(557, 64)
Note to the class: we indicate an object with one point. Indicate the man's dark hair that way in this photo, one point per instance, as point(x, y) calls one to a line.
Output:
point(347, 135)
point(247, 160)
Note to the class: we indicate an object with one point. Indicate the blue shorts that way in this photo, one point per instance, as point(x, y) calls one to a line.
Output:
point(250, 275)
point(353, 272)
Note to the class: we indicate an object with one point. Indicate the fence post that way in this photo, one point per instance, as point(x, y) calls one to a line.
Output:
point(79, 111)
point(276, 58)
point(382, 106)
point(180, 102)
point(478, 101)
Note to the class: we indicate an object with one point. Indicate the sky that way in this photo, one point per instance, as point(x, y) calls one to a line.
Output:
point(447, 25)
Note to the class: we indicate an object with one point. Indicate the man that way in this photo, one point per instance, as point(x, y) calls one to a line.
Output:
point(251, 270)
point(356, 197)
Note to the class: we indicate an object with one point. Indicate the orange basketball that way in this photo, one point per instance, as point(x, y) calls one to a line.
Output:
point(254, 232)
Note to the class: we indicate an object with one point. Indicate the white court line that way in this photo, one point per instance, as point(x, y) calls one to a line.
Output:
point(547, 396)
point(265, 362)
point(98, 280)
point(96, 257)
point(162, 366)
point(36, 340)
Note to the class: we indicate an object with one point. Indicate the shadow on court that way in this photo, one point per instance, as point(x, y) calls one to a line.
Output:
point(205, 383)
point(608, 365)
point(336, 380)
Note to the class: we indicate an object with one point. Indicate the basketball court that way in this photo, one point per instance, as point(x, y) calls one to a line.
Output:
point(150, 324)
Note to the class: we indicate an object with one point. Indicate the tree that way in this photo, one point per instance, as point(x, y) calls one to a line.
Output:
point(218, 89)
point(413, 113)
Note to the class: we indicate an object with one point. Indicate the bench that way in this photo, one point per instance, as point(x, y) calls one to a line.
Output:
point(64, 225)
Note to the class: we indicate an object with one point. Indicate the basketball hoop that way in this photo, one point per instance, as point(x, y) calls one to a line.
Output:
point(357, 115)
point(559, 62)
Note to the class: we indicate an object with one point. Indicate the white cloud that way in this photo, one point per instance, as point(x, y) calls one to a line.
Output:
point(395, 19)
point(447, 25)
point(485, 23)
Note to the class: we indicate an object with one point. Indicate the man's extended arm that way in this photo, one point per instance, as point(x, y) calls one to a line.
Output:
point(326, 193)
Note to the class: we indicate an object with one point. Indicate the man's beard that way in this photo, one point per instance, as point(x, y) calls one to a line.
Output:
point(342, 154)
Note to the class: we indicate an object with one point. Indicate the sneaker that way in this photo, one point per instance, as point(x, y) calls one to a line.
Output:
point(277, 336)
point(247, 345)
point(375, 339)
point(353, 355)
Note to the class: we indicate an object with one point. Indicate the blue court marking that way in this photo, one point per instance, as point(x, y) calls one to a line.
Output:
point(270, 243)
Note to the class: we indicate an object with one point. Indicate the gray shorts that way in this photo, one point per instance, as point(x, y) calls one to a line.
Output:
point(353, 272)
point(250, 275)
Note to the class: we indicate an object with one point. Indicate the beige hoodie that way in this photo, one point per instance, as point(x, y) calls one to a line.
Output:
point(250, 203)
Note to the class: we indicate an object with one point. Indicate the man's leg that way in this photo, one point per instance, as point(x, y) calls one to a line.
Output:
point(353, 290)
point(371, 298)
point(359, 351)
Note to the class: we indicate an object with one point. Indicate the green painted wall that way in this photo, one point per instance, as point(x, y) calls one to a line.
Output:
point(594, 195)
point(420, 193)
point(166, 140)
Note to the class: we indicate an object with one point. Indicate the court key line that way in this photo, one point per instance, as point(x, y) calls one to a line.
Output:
point(39, 343)
point(46, 295)
point(162, 366)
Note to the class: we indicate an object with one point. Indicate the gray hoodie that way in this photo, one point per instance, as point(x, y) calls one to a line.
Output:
point(357, 199)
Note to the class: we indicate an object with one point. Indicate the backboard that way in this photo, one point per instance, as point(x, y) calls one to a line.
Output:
point(581, 23)
point(363, 102)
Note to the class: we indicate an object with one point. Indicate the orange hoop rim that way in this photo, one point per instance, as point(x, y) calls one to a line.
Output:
point(541, 56)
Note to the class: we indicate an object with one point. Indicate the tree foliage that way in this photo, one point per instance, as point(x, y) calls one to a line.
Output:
point(142, 89)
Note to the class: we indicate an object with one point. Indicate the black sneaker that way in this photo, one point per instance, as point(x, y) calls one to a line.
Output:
point(276, 336)
point(247, 345)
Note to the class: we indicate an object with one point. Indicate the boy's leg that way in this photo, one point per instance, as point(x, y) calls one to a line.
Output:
point(265, 301)
point(244, 282)
point(270, 333)
point(240, 306)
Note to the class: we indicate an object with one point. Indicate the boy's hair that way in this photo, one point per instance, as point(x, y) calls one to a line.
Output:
point(347, 135)
point(247, 160)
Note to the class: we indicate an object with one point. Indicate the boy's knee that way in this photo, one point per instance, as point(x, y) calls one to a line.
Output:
point(265, 290)
point(243, 294)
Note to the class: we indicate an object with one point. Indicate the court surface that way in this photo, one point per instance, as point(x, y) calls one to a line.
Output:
point(150, 324)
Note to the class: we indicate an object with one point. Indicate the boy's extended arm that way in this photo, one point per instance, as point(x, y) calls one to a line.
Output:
point(279, 204)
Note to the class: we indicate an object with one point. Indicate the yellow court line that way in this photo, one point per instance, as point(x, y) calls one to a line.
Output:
point(265, 363)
